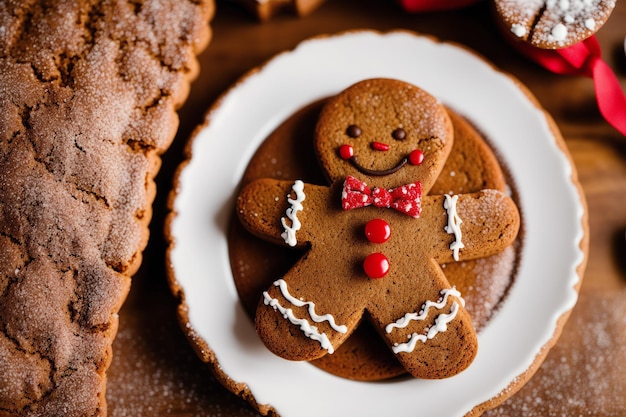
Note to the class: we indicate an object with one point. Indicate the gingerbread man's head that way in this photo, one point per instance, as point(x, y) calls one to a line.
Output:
point(385, 132)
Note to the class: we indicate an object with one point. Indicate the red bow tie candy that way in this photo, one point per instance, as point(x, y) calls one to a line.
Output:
point(406, 199)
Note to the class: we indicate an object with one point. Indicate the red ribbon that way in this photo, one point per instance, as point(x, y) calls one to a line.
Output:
point(406, 199)
point(432, 5)
point(585, 58)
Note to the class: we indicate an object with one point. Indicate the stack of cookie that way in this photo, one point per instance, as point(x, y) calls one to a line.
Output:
point(403, 235)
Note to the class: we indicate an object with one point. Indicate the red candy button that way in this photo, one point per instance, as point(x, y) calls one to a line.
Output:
point(377, 231)
point(376, 265)
point(416, 157)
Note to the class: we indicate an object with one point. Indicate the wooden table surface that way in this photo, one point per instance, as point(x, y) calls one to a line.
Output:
point(155, 372)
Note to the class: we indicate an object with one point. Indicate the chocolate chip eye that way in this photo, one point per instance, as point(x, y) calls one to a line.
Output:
point(398, 134)
point(353, 131)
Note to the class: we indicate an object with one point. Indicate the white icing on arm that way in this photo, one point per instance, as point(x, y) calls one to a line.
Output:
point(289, 235)
point(454, 224)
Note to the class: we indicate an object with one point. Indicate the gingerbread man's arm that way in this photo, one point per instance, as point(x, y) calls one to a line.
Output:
point(476, 225)
point(281, 211)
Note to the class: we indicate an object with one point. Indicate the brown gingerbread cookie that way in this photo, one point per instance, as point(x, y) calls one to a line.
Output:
point(471, 167)
point(553, 24)
point(285, 154)
point(353, 268)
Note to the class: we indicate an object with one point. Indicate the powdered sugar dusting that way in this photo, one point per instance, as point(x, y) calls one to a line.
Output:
point(155, 370)
point(494, 275)
point(583, 374)
point(488, 212)
point(554, 23)
point(484, 283)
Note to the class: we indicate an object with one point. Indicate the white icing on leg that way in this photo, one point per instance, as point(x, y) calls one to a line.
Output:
point(441, 303)
point(289, 235)
point(441, 325)
point(309, 331)
point(310, 306)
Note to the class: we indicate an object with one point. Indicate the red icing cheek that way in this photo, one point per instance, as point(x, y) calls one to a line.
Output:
point(346, 152)
point(416, 157)
point(376, 265)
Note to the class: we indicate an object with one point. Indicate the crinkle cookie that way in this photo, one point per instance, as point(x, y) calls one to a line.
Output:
point(88, 93)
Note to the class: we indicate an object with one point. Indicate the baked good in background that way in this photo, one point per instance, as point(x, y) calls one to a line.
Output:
point(546, 24)
point(552, 24)
point(88, 98)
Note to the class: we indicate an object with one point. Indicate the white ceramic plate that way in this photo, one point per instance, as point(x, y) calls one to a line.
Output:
point(553, 214)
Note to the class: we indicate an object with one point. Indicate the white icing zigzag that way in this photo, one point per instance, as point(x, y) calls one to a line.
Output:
point(441, 303)
point(309, 331)
point(311, 307)
point(441, 321)
point(454, 224)
point(289, 235)
point(441, 325)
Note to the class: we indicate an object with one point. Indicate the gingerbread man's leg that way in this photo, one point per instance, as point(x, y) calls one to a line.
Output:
point(427, 327)
point(296, 317)
point(298, 308)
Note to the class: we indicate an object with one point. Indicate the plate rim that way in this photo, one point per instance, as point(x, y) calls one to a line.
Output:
point(202, 347)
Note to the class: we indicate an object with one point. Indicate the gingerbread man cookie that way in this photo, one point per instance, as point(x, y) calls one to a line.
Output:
point(374, 238)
